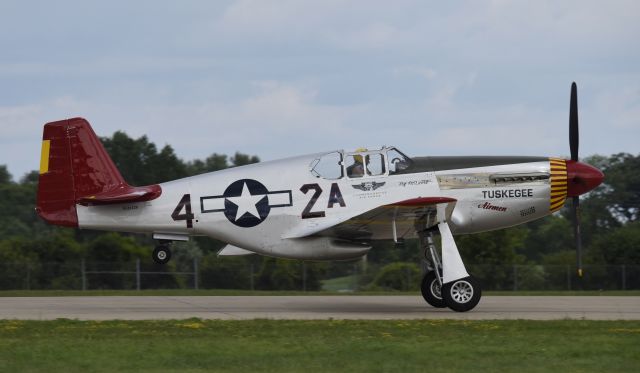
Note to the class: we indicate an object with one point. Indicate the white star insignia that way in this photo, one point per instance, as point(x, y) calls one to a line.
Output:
point(246, 203)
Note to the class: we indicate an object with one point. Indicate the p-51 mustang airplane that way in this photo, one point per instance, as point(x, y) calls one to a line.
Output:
point(324, 206)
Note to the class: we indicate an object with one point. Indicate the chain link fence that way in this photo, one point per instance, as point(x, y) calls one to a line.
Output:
point(302, 276)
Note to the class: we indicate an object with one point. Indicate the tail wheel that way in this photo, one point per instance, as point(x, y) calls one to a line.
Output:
point(161, 254)
point(431, 290)
point(462, 295)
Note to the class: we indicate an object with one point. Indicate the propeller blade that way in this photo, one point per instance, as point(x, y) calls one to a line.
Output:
point(575, 207)
point(574, 137)
point(574, 140)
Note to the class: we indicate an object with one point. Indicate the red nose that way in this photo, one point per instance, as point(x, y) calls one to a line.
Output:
point(582, 178)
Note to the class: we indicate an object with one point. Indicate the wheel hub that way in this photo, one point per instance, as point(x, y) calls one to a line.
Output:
point(462, 291)
point(436, 289)
point(162, 255)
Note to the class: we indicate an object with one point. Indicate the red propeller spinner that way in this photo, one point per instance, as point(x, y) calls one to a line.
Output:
point(581, 178)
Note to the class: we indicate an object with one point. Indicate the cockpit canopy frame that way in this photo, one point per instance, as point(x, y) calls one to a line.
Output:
point(358, 164)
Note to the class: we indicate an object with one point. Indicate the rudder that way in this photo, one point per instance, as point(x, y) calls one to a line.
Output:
point(76, 168)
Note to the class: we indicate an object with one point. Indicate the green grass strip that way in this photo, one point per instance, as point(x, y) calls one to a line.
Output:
point(195, 345)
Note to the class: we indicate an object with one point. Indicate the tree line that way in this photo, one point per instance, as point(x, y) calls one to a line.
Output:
point(609, 217)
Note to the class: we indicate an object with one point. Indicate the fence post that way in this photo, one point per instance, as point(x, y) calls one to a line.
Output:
point(138, 274)
point(568, 277)
point(83, 271)
point(28, 276)
point(624, 277)
point(355, 276)
point(251, 277)
point(195, 273)
point(304, 276)
point(515, 277)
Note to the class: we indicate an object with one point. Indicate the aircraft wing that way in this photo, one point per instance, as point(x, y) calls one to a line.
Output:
point(396, 220)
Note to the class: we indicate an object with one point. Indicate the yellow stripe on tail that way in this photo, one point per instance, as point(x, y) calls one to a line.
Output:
point(44, 156)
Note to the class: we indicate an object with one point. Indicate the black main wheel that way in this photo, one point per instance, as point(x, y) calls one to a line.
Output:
point(161, 254)
point(431, 290)
point(462, 295)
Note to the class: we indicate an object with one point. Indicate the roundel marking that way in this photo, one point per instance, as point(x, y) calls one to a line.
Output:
point(246, 203)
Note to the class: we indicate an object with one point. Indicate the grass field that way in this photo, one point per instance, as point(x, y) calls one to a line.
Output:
point(233, 292)
point(344, 283)
point(318, 346)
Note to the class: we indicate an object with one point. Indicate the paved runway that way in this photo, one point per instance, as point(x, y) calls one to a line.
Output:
point(315, 307)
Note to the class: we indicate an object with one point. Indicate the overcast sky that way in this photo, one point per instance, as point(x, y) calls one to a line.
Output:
point(281, 78)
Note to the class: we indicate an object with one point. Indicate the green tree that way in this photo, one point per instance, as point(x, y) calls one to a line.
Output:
point(214, 162)
point(398, 276)
point(17, 203)
point(491, 255)
point(5, 176)
point(30, 178)
point(383, 252)
point(616, 201)
point(15, 264)
point(139, 161)
point(621, 187)
point(619, 246)
point(115, 252)
point(240, 159)
point(225, 272)
point(50, 261)
point(287, 274)
point(495, 247)
point(546, 236)
point(113, 247)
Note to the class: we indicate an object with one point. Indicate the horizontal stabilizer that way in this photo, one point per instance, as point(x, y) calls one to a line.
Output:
point(123, 194)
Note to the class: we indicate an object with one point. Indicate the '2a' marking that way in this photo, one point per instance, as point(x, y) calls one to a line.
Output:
point(335, 197)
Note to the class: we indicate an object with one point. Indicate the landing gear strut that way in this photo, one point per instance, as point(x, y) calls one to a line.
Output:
point(459, 294)
point(162, 253)
point(431, 287)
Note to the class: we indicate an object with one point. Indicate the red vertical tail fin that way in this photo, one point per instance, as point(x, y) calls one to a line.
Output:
point(75, 169)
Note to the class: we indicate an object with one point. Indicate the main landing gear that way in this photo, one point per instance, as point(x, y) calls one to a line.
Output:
point(162, 253)
point(447, 285)
point(432, 289)
point(463, 294)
